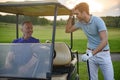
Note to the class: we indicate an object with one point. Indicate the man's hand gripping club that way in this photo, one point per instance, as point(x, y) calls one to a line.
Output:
point(86, 56)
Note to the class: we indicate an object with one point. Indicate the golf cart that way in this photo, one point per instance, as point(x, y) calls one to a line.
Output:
point(54, 60)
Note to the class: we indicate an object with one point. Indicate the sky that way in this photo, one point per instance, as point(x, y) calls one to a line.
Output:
point(97, 7)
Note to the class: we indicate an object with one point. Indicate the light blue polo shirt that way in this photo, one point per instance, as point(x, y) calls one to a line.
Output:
point(91, 30)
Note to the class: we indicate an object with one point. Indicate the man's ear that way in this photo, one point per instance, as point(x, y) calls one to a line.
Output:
point(83, 13)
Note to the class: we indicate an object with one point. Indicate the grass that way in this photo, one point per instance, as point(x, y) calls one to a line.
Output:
point(84, 75)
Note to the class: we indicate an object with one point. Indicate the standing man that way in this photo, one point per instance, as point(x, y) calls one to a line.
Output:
point(98, 52)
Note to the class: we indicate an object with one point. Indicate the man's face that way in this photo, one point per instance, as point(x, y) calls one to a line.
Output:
point(27, 30)
point(79, 15)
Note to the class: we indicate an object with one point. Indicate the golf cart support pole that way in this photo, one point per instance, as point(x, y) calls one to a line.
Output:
point(17, 31)
point(71, 34)
point(71, 38)
point(53, 39)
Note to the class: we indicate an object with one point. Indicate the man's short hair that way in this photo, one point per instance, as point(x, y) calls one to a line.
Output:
point(26, 22)
point(82, 7)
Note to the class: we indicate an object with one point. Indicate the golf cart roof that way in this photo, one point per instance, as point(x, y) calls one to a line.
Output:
point(34, 8)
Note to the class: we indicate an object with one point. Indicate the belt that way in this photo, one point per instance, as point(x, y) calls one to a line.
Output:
point(93, 49)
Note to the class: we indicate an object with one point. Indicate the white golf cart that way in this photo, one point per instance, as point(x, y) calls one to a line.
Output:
point(55, 60)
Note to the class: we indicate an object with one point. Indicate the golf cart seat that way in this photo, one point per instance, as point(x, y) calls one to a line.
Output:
point(63, 63)
point(63, 54)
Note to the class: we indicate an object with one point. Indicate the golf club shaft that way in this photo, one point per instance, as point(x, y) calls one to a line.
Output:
point(88, 69)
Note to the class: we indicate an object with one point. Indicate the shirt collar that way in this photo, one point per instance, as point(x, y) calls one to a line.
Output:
point(91, 18)
point(24, 39)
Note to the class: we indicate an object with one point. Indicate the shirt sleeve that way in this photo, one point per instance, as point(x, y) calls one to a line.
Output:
point(37, 41)
point(100, 24)
point(14, 41)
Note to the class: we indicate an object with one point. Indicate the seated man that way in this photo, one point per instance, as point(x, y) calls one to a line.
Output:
point(22, 56)
point(27, 30)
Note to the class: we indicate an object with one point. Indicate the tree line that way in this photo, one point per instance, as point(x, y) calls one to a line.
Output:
point(34, 20)
point(110, 21)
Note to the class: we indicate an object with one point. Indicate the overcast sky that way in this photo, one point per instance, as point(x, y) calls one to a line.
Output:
point(97, 7)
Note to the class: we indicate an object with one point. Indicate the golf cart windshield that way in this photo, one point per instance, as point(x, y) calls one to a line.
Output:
point(25, 60)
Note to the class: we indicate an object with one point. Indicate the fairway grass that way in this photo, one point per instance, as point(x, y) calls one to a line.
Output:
point(43, 33)
point(84, 74)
